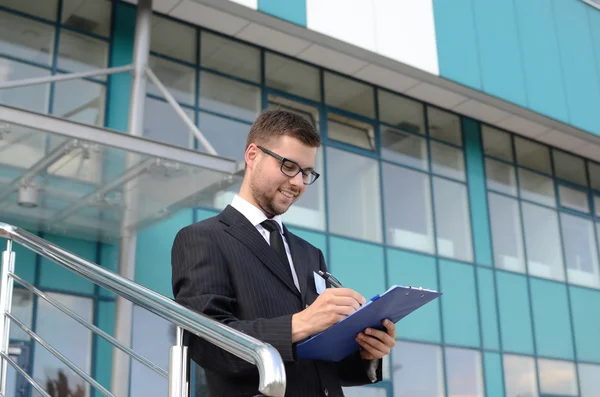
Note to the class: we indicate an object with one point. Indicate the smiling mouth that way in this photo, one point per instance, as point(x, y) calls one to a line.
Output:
point(287, 194)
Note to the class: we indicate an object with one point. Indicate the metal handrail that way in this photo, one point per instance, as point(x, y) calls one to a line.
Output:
point(266, 358)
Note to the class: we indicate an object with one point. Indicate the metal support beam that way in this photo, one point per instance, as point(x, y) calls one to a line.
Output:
point(65, 77)
point(163, 90)
point(128, 240)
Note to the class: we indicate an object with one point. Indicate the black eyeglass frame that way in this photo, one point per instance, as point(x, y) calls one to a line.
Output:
point(282, 160)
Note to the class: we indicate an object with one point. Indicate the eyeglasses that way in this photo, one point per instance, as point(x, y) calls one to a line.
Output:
point(291, 168)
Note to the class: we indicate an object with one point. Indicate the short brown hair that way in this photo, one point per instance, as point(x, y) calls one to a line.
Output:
point(273, 123)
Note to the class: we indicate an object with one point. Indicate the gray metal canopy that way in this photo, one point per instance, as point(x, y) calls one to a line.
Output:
point(67, 178)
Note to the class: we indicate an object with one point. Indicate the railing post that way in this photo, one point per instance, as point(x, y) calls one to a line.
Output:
point(6, 291)
point(179, 367)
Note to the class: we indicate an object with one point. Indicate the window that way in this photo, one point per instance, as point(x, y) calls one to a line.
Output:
point(67, 336)
point(161, 123)
point(408, 215)
point(164, 32)
point(293, 77)
point(589, 380)
point(404, 148)
point(464, 373)
point(496, 143)
point(178, 78)
point(90, 16)
point(400, 112)
point(353, 188)
point(500, 177)
point(417, 370)
point(349, 95)
point(229, 97)
point(569, 168)
point(532, 155)
point(26, 39)
point(542, 241)
point(580, 250)
point(447, 161)
point(519, 376)
point(557, 377)
point(507, 238)
point(350, 131)
point(230, 57)
point(444, 126)
point(453, 222)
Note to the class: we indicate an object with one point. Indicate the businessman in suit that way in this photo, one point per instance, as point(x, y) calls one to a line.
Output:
point(245, 269)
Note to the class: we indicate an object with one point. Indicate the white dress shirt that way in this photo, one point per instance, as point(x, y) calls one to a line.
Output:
point(256, 217)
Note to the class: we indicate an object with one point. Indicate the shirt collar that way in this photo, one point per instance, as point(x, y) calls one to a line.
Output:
point(252, 213)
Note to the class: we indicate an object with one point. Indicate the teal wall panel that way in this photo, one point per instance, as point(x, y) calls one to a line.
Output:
point(480, 223)
point(487, 308)
point(458, 57)
point(551, 319)
point(103, 356)
point(417, 270)
point(578, 62)
point(594, 22)
point(291, 10)
point(494, 381)
point(359, 266)
point(55, 276)
point(119, 85)
point(109, 258)
point(499, 50)
point(317, 239)
point(541, 58)
point(459, 304)
point(515, 315)
point(153, 254)
point(585, 309)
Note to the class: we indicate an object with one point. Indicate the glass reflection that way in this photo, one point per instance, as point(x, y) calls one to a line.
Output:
point(589, 379)
point(463, 373)
point(557, 377)
point(26, 39)
point(404, 148)
point(34, 97)
point(580, 250)
point(507, 238)
point(229, 97)
point(417, 370)
point(519, 376)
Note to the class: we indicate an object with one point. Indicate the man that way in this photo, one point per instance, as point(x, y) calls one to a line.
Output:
point(245, 269)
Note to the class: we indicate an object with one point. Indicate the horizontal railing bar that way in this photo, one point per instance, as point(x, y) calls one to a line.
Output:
point(25, 375)
point(91, 327)
point(266, 358)
point(60, 356)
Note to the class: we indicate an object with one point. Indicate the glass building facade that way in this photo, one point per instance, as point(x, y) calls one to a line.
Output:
point(506, 227)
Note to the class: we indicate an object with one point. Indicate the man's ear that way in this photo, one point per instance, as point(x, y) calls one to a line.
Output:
point(251, 155)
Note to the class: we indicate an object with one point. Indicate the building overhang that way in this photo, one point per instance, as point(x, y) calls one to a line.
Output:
point(67, 178)
point(247, 24)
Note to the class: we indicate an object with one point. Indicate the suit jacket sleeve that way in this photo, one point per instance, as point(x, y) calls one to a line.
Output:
point(353, 370)
point(201, 282)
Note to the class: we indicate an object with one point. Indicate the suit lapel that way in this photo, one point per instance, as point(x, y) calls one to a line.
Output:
point(241, 229)
point(298, 251)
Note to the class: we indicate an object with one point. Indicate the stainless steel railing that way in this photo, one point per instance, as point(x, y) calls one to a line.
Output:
point(264, 356)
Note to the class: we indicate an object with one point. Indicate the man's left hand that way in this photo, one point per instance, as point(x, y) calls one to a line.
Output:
point(376, 344)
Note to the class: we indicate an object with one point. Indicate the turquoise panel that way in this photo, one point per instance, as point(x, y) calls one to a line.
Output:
point(482, 241)
point(153, 254)
point(459, 304)
point(487, 308)
point(515, 315)
point(319, 240)
point(551, 319)
point(109, 259)
point(585, 308)
point(499, 51)
point(119, 85)
point(57, 277)
point(358, 265)
point(291, 10)
point(594, 20)
point(541, 58)
point(202, 214)
point(408, 268)
point(579, 64)
point(103, 356)
point(494, 382)
point(457, 42)
point(24, 262)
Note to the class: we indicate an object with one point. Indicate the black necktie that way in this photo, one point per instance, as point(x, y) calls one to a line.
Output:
point(277, 243)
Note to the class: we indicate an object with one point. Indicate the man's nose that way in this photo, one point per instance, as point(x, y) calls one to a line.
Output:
point(297, 180)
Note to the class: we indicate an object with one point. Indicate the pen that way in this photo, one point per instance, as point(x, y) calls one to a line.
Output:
point(334, 282)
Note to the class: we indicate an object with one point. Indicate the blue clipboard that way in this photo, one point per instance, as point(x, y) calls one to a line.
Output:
point(338, 341)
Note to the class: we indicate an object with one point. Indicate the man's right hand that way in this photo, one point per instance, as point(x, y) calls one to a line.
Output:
point(332, 306)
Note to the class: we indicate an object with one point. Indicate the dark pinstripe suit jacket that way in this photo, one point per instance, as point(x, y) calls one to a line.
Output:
point(223, 268)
